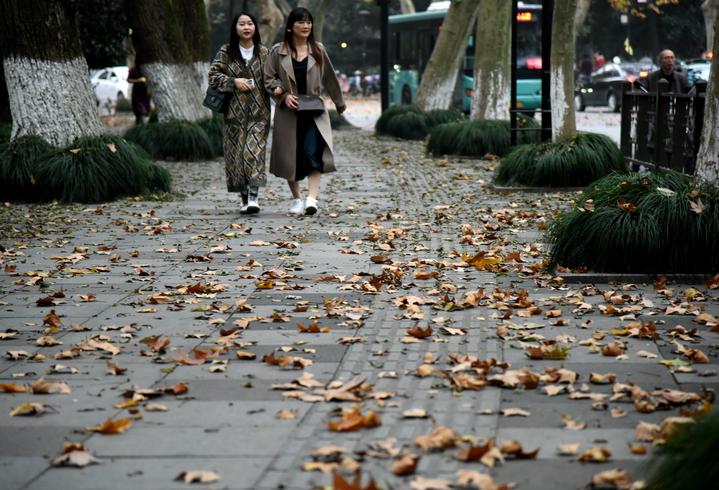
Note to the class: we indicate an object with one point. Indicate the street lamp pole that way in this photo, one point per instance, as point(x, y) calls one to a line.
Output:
point(384, 52)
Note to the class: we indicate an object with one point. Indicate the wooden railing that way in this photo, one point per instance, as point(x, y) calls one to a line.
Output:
point(662, 129)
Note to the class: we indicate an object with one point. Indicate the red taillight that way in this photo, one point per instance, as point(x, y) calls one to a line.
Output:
point(534, 63)
point(630, 78)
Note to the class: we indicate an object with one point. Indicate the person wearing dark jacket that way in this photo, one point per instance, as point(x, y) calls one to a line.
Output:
point(678, 82)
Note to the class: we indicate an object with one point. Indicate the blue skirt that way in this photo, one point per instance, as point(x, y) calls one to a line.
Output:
point(310, 147)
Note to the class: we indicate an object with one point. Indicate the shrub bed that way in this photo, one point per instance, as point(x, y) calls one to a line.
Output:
point(654, 223)
point(478, 137)
point(173, 140)
point(410, 122)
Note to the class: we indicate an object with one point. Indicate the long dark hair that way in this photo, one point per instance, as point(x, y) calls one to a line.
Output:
point(234, 47)
point(298, 14)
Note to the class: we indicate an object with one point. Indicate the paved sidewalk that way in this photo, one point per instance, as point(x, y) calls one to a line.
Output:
point(384, 255)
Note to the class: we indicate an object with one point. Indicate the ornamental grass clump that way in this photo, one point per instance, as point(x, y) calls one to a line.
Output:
point(687, 460)
point(214, 127)
point(173, 140)
point(575, 162)
point(18, 163)
point(393, 111)
point(478, 137)
point(96, 169)
point(632, 223)
point(337, 120)
point(412, 123)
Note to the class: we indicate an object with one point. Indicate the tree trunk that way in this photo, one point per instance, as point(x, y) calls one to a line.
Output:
point(407, 6)
point(707, 172)
point(165, 59)
point(440, 76)
point(46, 74)
point(192, 17)
point(581, 15)
point(319, 15)
point(710, 8)
point(492, 71)
point(271, 20)
point(562, 70)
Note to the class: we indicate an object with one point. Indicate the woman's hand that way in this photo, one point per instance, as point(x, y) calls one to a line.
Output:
point(292, 102)
point(278, 91)
point(341, 109)
point(242, 84)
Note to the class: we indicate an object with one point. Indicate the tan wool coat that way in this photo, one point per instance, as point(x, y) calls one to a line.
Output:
point(279, 73)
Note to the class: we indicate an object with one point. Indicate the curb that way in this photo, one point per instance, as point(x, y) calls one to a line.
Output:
point(580, 278)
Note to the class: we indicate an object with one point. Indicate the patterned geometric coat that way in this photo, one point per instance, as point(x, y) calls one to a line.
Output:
point(247, 119)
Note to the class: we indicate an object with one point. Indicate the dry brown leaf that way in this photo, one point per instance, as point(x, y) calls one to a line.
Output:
point(114, 369)
point(353, 420)
point(41, 386)
point(422, 483)
point(75, 454)
point(512, 412)
point(572, 424)
point(480, 481)
point(405, 465)
point(415, 413)
point(287, 414)
point(440, 438)
point(616, 477)
point(198, 476)
point(112, 426)
point(419, 332)
point(601, 379)
point(28, 409)
point(595, 455)
point(569, 449)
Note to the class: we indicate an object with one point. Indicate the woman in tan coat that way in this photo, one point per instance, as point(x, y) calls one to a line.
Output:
point(301, 141)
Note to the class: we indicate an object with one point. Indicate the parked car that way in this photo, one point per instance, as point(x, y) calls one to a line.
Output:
point(109, 84)
point(604, 86)
point(698, 70)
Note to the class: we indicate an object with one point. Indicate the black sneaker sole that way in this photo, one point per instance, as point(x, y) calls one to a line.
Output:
point(310, 210)
point(252, 210)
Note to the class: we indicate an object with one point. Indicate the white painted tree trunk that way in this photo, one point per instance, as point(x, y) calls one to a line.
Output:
point(270, 19)
point(710, 9)
point(440, 76)
point(492, 59)
point(561, 90)
point(707, 170)
point(51, 99)
point(581, 16)
point(407, 6)
point(201, 69)
point(175, 91)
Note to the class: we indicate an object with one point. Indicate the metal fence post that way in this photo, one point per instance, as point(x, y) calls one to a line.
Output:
point(626, 125)
point(660, 122)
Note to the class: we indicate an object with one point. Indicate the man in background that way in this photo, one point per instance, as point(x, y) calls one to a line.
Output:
point(678, 82)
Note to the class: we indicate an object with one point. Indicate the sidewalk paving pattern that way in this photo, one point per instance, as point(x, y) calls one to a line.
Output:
point(384, 255)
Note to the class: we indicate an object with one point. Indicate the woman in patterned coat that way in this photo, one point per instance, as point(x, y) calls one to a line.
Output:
point(238, 68)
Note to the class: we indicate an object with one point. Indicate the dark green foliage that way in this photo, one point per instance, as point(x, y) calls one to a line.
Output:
point(18, 162)
point(123, 105)
point(338, 121)
point(96, 169)
point(393, 111)
point(409, 126)
point(214, 127)
point(442, 116)
point(158, 178)
point(653, 231)
point(687, 461)
point(477, 137)
point(173, 140)
point(5, 131)
point(564, 163)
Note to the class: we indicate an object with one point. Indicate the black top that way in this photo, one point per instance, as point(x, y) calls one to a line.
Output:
point(300, 68)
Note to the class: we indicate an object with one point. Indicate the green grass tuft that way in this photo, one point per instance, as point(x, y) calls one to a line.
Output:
point(123, 105)
point(662, 235)
point(443, 116)
point(97, 169)
point(18, 167)
point(214, 127)
point(477, 137)
point(338, 121)
point(409, 126)
point(687, 461)
point(173, 140)
point(391, 113)
point(563, 163)
point(5, 131)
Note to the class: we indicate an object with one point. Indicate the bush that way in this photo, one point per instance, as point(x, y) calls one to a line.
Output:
point(639, 223)
point(688, 458)
point(214, 127)
point(96, 169)
point(18, 165)
point(409, 126)
point(411, 122)
point(563, 163)
point(338, 121)
point(395, 110)
point(441, 116)
point(478, 137)
point(173, 140)
point(5, 131)
point(123, 105)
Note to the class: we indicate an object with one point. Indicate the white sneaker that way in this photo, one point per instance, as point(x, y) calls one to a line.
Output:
point(252, 207)
point(298, 207)
point(310, 206)
point(243, 209)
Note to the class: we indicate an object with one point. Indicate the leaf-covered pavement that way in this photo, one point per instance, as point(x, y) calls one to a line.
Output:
point(407, 331)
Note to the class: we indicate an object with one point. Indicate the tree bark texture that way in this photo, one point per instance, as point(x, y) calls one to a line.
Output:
point(440, 76)
point(271, 20)
point(562, 70)
point(319, 15)
point(165, 59)
point(407, 6)
point(710, 8)
point(492, 60)
point(192, 18)
point(49, 90)
point(707, 172)
point(581, 16)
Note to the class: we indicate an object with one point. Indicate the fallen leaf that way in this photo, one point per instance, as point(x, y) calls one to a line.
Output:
point(572, 424)
point(41, 386)
point(353, 420)
point(568, 449)
point(595, 455)
point(112, 426)
point(75, 454)
point(441, 437)
point(405, 465)
point(28, 409)
point(198, 476)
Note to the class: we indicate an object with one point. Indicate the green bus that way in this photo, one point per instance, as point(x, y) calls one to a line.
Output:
point(412, 38)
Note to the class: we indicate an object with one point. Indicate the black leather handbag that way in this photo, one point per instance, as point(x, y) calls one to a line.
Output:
point(217, 101)
point(312, 104)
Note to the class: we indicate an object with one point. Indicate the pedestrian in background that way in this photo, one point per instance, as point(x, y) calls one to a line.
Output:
point(301, 140)
point(677, 81)
point(141, 97)
point(238, 69)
